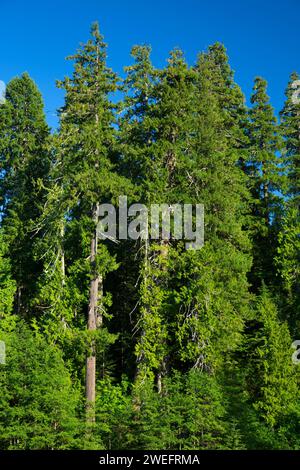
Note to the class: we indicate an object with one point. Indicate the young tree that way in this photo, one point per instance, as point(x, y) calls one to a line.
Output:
point(38, 402)
point(272, 378)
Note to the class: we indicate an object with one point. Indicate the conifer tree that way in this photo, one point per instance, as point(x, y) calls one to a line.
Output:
point(134, 138)
point(211, 291)
point(24, 160)
point(272, 378)
point(137, 139)
point(265, 182)
point(171, 117)
point(227, 93)
point(156, 124)
point(189, 415)
point(289, 244)
point(290, 125)
point(39, 403)
point(84, 161)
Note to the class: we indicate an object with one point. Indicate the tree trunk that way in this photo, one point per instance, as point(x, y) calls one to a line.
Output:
point(93, 319)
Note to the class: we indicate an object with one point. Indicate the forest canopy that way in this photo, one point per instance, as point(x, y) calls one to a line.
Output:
point(144, 344)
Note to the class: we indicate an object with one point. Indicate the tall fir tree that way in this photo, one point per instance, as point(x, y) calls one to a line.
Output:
point(290, 125)
point(288, 258)
point(83, 177)
point(211, 290)
point(265, 181)
point(24, 160)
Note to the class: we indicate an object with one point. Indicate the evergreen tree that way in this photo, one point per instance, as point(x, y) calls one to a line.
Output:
point(211, 289)
point(24, 161)
point(134, 141)
point(142, 158)
point(86, 178)
point(290, 125)
point(265, 181)
point(38, 402)
point(189, 415)
point(171, 116)
point(288, 264)
point(272, 379)
point(289, 245)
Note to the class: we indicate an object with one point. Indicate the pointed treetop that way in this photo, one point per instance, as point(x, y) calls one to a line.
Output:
point(292, 91)
point(176, 57)
point(95, 30)
point(260, 91)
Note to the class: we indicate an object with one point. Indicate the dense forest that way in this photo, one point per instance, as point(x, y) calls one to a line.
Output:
point(144, 344)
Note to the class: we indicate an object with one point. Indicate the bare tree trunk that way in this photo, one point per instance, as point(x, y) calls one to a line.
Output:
point(93, 320)
point(93, 314)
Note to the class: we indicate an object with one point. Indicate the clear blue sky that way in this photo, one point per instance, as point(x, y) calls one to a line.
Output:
point(262, 37)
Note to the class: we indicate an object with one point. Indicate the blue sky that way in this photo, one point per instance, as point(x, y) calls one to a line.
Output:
point(262, 37)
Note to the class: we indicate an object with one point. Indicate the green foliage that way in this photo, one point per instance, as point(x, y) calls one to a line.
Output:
point(273, 375)
point(288, 258)
point(265, 180)
point(288, 239)
point(192, 350)
point(7, 285)
point(24, 166)
point(290, 123)
point(191, 414)
point(266, 389)
point(39, 403)
point(114, 413)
